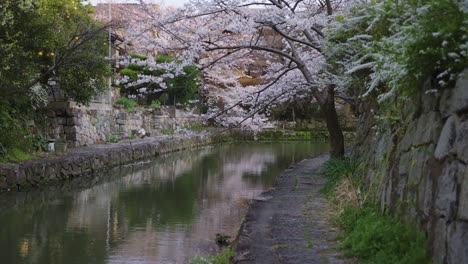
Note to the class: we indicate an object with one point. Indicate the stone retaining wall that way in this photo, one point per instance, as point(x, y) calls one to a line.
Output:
point(418, 168)
point(84, 161)
point(84, 126)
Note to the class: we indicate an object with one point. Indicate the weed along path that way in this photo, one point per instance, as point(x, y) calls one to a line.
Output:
point(290, 225)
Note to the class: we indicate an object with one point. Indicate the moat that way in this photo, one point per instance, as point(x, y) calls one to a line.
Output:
point(163, 211)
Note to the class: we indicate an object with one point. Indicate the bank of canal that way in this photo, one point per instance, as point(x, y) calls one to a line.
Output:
point(164, 211)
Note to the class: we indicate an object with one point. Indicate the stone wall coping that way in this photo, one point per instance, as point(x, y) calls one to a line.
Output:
point(95, 158)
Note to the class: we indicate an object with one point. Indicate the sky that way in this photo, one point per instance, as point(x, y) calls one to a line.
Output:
point(176, 3)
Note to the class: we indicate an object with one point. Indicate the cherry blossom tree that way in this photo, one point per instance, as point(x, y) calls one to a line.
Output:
point(226, 37)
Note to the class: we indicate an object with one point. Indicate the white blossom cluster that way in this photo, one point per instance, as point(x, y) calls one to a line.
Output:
point(280, 39)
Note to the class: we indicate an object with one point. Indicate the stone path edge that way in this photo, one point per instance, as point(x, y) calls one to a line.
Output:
point(247, 242)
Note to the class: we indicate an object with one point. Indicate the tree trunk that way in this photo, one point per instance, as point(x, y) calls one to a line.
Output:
point(329, 7)
point(333, 124)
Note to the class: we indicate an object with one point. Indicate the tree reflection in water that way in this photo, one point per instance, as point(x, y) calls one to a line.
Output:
point(163, 211)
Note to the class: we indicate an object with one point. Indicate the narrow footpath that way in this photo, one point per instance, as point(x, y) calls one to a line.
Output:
point(289, 224)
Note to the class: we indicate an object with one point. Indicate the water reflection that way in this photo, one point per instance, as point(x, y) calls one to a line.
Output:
point(165, 211)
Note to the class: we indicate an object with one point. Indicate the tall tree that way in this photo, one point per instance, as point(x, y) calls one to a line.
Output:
point(44, 43)
point(51, 40)
point(225, 36)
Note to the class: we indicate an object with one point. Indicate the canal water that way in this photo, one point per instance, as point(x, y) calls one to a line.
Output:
point(165, 211)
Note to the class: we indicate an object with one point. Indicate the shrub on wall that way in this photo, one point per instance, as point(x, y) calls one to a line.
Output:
point(385, 48)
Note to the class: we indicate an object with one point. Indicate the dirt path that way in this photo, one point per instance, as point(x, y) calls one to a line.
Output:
point(289, 224)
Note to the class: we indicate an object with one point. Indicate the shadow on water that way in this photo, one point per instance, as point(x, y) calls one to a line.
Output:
point(162, 211)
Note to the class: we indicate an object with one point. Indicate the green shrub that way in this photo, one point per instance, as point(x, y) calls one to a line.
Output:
point(372, 237)
point(138, 56)
point(155, 105)
point(14, 135)
point(39, 143)
point(112, 138)
point(127, 103)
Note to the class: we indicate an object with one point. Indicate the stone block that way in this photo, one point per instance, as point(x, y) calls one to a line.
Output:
point(429, 100)
point(456, 99)
point(414, 163)
point(50, 113)
point(53, 123)
point(74, 121)
point(61, 120)
point(457, 242)
point(71, 121)
point(51, 171)
point(122, 115)
point(407, 140)
point(425, 193)
point(424, 130)
point(447, 138)
point(446, 192)
point(120, 121)
point(59, 112)
point(463, 199)
point(439, 239)
point(428, 128)
point(419, 166)
point(74, 112)
point(70, 129)
point(461, 142)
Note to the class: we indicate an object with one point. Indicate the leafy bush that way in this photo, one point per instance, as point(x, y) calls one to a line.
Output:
point(127, 103)
point(155, 104)
point(39, 143)
point(112, 138)
point(14, 135)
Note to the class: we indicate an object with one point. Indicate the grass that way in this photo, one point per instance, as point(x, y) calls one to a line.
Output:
point(369, 236)
point(222, 258)
point(16, 155)
point(335, 171)
point(373, 237)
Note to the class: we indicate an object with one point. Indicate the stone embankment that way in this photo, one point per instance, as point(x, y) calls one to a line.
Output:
point(85, 126)
point(88, 160)
point(418, 167)
point(289, 224)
